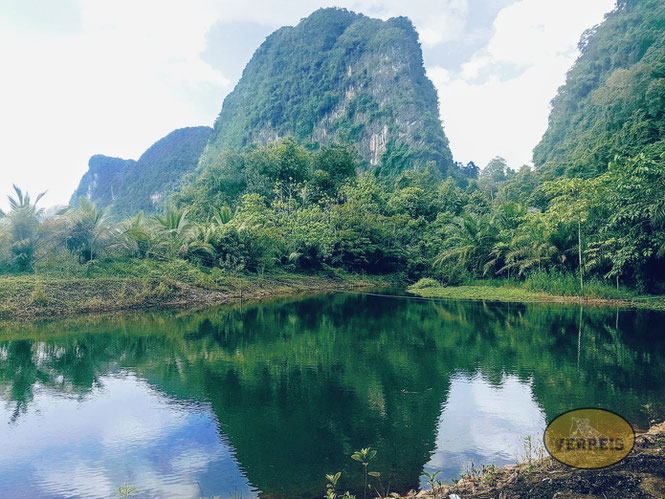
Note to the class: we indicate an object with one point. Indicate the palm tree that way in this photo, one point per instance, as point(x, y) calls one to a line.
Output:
point(139, 238)
point(571, 202)
point(498, 256)
point(23, 220)
point(468, 243)
point(90, 230)
point(527, 252)
point(174, 228)
point(200, 246)
point(222, 215)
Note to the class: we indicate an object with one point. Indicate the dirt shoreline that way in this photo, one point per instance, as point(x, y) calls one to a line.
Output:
point(25, 298)
point(28, 299)
point(518, 295)
point(640, 475)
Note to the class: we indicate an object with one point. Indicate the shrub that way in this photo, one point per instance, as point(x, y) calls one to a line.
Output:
point(426, 282)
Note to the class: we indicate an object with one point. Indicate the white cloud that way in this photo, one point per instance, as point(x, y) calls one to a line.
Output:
point(491, 420)
point(130, 76)
point(498, 103)
point(125, 432)
point(437, 22)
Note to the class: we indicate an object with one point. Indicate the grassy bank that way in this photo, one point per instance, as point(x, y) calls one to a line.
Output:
point(135, 284)
point(557, 289)
point(641, 474)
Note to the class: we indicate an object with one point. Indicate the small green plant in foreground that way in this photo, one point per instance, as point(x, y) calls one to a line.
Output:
point(471, 470)
point(431, 479)
point(651, 414)
point(533, 451)
point(331, 486)
point(364, 457)
point(126, 490)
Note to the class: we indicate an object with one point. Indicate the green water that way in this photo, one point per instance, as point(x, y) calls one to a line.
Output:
point(266, 399)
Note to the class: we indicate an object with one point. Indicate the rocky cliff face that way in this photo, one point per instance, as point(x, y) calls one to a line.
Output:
point(129, 186)
point(613, 101)
point(103, 180)
point(339, 76)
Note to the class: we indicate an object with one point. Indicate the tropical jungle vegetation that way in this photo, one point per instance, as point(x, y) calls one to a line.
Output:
point(286, 207)
point(589, 219)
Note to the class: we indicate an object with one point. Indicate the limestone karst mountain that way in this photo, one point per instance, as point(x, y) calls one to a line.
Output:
point(130, 186)
point(339, 76)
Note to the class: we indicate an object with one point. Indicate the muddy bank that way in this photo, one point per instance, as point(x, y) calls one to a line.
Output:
point(519, 294)
point(32, 297)
point(640, 475)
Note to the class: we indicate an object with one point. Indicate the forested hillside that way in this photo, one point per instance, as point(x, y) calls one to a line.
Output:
point(613, 101)
point(339, 77)
point(128, 186)
point(103, 180)
point(589, 220)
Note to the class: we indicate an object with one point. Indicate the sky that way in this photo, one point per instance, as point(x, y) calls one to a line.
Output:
point(84, 77)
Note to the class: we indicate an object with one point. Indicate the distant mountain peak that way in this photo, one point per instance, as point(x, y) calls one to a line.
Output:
point(338, 76)
point(131, 186)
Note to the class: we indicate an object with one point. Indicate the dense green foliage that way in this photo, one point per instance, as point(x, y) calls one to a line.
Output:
point(613, 101)
point(339, 77)
point(297, 205)
point(284, 207)
point(589, 220)
point(128, 186)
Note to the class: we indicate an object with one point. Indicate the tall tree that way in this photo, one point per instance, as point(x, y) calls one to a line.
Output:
point(571, 202)
point(24, 221)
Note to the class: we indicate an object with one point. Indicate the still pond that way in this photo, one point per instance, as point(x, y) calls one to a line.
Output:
point(265, 399)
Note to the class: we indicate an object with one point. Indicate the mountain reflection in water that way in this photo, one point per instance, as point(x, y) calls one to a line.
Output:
point(266, 399)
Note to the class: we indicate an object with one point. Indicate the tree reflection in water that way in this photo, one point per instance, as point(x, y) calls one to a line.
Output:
point(294, 386)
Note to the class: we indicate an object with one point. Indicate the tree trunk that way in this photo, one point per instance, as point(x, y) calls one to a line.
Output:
point(579, 338)
point(579, 254)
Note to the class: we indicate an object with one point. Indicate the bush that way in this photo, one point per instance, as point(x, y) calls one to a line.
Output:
point(426, 282)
